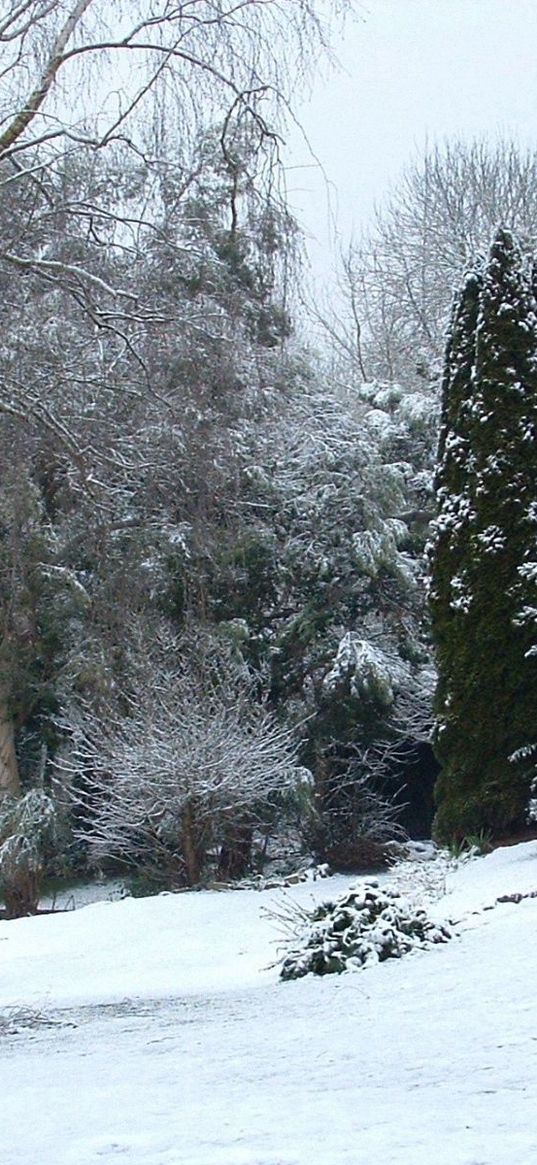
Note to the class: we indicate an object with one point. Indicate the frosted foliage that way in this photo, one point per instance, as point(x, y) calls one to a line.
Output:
point(528, 571)
point(374, 549)
point(492, 539)
point(370, 671)
point(532, 806)
point(191, 759)
point(418, 411)
point(455, 511)
point(399, 414)
point(461, 596)
point(381, 424)
point(181, 57)
point(528, 755)
point(484, 542)
point(386, 397)
point(527, 614)
point(398, 530)
point(25, 826)
point(365, 926)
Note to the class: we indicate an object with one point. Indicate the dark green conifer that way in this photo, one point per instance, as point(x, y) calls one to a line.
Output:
point(486, 703)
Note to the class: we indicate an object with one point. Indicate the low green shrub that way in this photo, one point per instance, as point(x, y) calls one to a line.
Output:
point(367, 925)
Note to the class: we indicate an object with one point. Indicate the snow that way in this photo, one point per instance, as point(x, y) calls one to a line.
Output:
point(164, 1037)
point(148, 948)
point(477, 884)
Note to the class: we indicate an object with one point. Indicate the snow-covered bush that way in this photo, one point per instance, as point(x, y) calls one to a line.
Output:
point(26, 827)
point(181, 783)
point(367, 925)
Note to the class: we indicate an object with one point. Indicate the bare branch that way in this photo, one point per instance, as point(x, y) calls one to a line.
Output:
point(34, 102)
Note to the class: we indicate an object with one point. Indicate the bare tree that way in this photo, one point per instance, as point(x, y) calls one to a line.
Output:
point(397, 281)
point(55, 53)
point(190, 771)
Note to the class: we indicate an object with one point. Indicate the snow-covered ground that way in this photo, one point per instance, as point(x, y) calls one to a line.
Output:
point(155, 1032)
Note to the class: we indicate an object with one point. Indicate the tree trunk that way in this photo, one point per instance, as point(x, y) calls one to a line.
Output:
point(192, 850)
point(21, 895)
point(9, 769)
point(236, 851)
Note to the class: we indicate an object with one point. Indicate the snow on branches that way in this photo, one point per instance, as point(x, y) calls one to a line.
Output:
point(183, 779)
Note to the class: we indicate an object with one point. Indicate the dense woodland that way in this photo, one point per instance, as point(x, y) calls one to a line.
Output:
point(215, 499)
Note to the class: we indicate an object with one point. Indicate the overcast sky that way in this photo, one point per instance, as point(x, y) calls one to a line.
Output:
point(412, 71)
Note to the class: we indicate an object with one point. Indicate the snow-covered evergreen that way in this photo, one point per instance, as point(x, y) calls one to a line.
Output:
point(483, 585)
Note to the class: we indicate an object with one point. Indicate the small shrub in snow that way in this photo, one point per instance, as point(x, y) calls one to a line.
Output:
point(367, 925)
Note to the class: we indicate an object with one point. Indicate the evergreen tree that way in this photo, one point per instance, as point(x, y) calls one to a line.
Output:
point(486, 702)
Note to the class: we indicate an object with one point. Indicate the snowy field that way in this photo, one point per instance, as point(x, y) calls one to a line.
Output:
point(155, 1032)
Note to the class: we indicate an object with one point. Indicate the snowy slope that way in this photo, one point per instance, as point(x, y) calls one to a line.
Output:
point(148, 948)
point(185, 1050)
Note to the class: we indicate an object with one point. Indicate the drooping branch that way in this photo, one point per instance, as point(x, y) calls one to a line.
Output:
point(32, 106)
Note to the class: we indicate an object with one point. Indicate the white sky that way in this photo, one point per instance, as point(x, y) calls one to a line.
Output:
point(412, 71)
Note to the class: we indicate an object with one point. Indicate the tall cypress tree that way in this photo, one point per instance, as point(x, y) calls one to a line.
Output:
point(486, 702)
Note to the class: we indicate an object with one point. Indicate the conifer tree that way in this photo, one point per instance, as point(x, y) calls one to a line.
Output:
point(486, 702)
